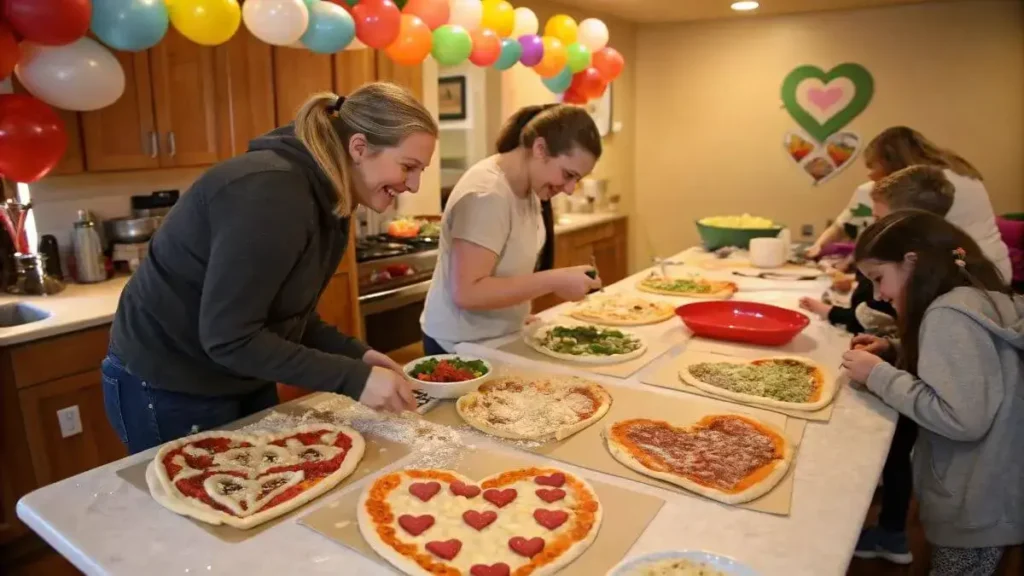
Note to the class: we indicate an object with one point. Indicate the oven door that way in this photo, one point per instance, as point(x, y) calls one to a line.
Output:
point(392, 317)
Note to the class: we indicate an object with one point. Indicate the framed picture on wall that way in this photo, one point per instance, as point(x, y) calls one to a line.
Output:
point(452, 98)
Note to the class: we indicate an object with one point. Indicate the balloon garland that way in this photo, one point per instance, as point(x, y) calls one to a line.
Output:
point(44, 44)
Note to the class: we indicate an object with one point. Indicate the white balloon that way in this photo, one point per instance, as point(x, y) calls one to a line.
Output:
point(526, 23)
point(80, 76)
point(593, 34)
point(278, 22)
point(466, 13)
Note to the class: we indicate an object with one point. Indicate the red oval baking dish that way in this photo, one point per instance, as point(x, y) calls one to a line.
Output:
point(750, 322)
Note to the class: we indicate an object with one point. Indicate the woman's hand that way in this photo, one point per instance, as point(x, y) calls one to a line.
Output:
point(374, 358)
point(871, 344)
point(815, 307)
point(859, 364)
point(574, 283)
point(813, 252)
point(387, 388)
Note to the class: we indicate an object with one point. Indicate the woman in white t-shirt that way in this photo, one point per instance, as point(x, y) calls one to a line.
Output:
point(492, 230)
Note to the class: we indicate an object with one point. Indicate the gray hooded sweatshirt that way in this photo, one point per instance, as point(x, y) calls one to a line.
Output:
point(969, 401)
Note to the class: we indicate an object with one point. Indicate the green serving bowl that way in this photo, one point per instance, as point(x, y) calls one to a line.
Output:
point(714, 237)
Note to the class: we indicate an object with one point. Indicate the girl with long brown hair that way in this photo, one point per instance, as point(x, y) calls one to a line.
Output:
point(958, 372)
point(224, 305)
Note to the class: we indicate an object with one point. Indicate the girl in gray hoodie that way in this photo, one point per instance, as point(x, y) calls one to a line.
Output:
point(958, 371)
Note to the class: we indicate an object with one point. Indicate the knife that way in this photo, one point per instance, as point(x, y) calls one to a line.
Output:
point(594, 273)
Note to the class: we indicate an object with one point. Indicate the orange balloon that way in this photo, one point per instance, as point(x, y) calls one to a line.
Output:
point(413, 43)
point(434, 13)
point(555, 58)
point(608, 62)
point(486, 47)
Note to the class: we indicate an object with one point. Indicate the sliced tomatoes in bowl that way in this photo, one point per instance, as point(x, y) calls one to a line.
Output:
point(738, 321)
point(448, 375)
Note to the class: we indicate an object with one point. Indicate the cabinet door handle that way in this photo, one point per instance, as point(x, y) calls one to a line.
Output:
point(170, 141)
point(154, 145)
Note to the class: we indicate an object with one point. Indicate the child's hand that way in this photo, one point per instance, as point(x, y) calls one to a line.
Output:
point(871, 343)
point(815, 307)
point(859, 364)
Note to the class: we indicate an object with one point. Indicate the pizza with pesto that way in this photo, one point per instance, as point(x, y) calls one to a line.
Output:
point(789, 382)
point(689, 287)
point(585, 343)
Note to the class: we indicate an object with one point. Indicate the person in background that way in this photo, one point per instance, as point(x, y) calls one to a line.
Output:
point(958, 372)
point(492, 230)
point(855, 217)
point(913, 188)
point(224, 305)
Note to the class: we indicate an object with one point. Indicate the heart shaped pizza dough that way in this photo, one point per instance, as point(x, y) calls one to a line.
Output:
point(243, 480)
point(511, 530)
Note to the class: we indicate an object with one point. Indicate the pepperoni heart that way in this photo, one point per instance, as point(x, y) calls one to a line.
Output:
point(550, 519)
point(499, 569)
point(447, 549)
point(550, 495)
point(415, 525)
point(479, 520)
point(556, 480)
point(424, 490)
point(460, 488)
point(524, 547)
point(500, 498)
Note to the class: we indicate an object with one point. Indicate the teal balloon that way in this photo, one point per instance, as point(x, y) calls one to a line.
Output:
point(560, 82)
point(129, 25)
point(511, 52)
point(452, 45)
point(579, 57)
point(309, 3)
point(331, 28)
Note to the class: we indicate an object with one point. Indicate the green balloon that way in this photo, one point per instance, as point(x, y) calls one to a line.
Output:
point(579, 57)
point(452, 45)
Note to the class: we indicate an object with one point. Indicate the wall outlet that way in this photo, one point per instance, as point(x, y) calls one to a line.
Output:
point(70, 421)
point(807, 230)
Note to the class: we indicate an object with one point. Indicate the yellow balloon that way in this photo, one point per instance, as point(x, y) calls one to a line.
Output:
point(562, 27)
point(207, 22)
point(499, 16)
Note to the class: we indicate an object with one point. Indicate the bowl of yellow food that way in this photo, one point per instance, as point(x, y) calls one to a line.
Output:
point(737, 231)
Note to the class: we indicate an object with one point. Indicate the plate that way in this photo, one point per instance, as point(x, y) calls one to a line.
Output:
point(448, 390)
point(720, 563)
point(737, 321)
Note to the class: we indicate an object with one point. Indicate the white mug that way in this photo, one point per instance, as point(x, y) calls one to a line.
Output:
point(767, 252)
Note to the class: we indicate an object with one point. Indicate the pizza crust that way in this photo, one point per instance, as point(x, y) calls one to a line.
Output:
point(590, 311)
point(405, 564)
point(532, 334)
point(604, 399)
point(165, 493)
point(762, 487)
point(721, 290)
point(828, 384)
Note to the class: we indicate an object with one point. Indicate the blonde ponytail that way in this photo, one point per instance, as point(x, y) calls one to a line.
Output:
point(382, 112)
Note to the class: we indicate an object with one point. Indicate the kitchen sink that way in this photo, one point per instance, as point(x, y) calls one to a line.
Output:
point(19, 313)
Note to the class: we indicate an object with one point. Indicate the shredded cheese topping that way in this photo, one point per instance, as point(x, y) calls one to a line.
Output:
point(532, 409)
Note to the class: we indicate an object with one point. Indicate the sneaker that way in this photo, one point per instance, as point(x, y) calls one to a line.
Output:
point(880, 543)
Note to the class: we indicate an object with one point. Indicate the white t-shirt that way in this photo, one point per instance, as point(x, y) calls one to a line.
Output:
point(482, 209)
point(972, 211)
point(858, 213)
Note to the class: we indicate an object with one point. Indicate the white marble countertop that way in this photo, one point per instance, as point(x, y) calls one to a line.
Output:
point(107, 527)
point(573, 222)
point(77, 307)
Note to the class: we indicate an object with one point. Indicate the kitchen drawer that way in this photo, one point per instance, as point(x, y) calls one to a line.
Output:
point(593, 234)
point(60, 356)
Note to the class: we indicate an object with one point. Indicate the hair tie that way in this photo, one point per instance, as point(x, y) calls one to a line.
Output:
point(336, 107)
point(959, 256)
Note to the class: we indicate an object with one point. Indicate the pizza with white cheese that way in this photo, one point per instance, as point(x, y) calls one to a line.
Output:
point(243, 480)
point(778, 382)
point(730, 458)
point(584, 343)
point(539, 408)
point(622, 310)
point(532, 521)
point(689, 287)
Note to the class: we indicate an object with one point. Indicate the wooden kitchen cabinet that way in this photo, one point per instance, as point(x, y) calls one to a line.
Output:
point(604, 244)
point(352, 69)
point(410, 77)
point(298, 74)
point(245, 79)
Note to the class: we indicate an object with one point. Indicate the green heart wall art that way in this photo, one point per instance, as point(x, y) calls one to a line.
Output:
point(823, 103)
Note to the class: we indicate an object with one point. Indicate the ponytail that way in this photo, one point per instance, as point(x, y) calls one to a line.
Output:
point(314, 128)
point(511, 134)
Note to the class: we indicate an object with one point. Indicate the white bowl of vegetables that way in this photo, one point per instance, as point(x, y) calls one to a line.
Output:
point(448, 376)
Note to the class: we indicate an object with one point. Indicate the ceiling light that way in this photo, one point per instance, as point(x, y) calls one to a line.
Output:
point(745, 6)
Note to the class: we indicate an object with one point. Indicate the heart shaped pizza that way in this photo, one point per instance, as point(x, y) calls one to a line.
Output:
point(731, 458)
point(529, 521)
point(243, 480)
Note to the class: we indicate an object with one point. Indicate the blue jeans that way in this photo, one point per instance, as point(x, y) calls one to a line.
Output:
point(144, 417)
point(431, 347)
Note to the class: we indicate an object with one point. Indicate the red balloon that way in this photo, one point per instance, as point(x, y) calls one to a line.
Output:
point(377, 22)
point(486, 47)
point(9, 51)
point(608, 62)
point(434, 13)
point(49, 22)
point(589, 83)
point(573, 97)
point(32, 138)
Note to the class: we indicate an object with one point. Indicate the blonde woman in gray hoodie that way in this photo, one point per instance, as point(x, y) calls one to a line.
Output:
point(958, 371)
